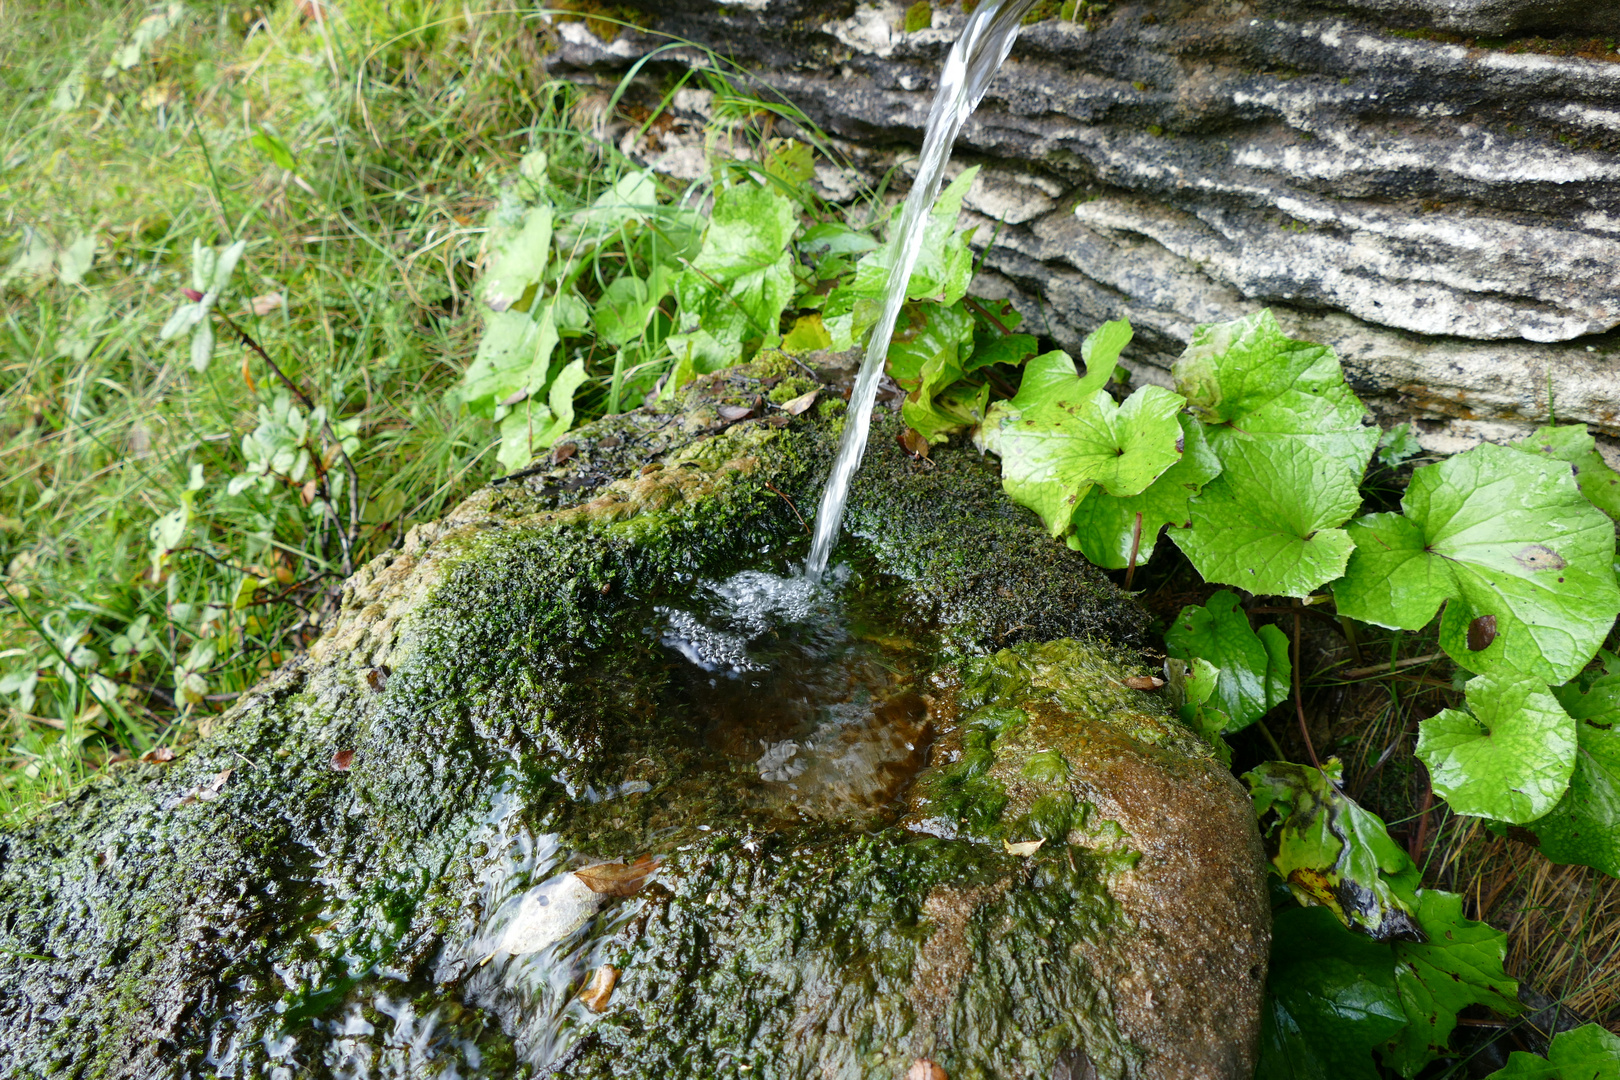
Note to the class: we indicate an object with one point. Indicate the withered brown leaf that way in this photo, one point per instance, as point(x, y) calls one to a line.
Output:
point(617, 878)
point(596, 992)
point(801, 403)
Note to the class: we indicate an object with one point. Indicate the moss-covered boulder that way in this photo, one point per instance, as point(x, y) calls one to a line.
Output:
point(510, 818)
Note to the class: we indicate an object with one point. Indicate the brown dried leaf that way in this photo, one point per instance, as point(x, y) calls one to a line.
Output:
point(1481, 632)
point(617, 878)
point(157, 755)
point(266, 303)
point(563, 452)
point(1025, 849)
point(210, 791)
point(596, 992)
point(923, 1069)
point(1144, 682)
point(801, 403)
point(913, 443)
point(342, 760)
point(733, 413)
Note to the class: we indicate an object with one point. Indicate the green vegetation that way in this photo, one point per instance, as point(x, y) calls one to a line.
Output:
point(278, 286)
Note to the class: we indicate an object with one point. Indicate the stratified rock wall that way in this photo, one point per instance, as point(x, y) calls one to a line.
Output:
point(1443, 210)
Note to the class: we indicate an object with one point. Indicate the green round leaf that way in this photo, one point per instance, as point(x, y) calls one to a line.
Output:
point(1330, 1000)
point(1254, 668)
point(1104, 524)
point(1266, 524)
point(1457, 965)
point(1502, 536)
point(1574, 444)
point(1584, 828)
point(1293, 445)
point(1587, 1053)
point(1511, 759)
point(1055, 442)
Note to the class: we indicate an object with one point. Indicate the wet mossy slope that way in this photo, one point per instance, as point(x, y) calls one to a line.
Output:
point(301, 891)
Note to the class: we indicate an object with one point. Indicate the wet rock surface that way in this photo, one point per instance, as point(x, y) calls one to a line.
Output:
point(1430, 188)
point(548, 799)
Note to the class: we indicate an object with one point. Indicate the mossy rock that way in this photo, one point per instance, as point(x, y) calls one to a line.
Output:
point(369, 864)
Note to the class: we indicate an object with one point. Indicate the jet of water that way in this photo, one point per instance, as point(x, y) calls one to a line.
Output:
point(972, 63)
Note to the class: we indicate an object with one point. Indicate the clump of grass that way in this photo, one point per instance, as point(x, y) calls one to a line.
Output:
point(151, 572)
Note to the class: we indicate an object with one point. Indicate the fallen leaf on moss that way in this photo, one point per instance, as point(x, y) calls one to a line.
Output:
point(600, 988)
point(157, 755)
point(801, 403)
point(1025, 849)
point(617, 878)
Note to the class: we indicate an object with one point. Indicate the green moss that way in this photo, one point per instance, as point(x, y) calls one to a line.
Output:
point(307, 890)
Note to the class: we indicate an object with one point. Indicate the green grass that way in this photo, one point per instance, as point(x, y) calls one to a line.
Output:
point(401, 117)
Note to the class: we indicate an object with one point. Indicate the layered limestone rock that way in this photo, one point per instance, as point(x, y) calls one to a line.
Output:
point(1440, 207)
point(511, 815)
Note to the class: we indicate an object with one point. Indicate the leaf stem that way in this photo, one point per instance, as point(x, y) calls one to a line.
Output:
point(1299, 700)
point(1136, 546)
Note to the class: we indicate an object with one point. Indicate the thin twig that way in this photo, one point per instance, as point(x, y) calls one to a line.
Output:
point(1420, 838)
point(791, 507)
point(1388, 669)
point(973, 305)
point(1299, 699)
point(346, 537)
point(247, 339)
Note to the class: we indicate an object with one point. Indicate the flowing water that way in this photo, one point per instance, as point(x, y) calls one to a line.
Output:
point(972, 63)
point(775, 702)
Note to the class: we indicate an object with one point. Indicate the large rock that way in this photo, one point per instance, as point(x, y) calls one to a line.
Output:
point(1444, 211)
point(976, 845)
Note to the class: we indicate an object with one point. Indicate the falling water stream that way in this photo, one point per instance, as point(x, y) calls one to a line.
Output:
point(786, 699)
point(972, 63)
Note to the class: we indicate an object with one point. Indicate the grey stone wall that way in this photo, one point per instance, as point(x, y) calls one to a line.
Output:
point(1442, 208)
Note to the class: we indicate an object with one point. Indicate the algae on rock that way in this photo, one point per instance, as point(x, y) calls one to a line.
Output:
point(249, 909)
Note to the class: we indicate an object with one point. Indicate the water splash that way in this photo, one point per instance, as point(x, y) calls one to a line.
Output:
point(972, 63)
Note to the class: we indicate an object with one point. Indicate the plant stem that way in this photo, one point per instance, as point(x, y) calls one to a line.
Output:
point(1136, 546)
point(1299, 700)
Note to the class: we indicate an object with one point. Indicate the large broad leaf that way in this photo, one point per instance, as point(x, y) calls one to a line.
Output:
point(1330, 1000)
point(930, 341)
point(1255, 670)
point(1292, 444)
point(1509, 757)
point(1457, 965)
point(1584, 827)
point(1587, 1053)
point(1105, 526)
point(944, 268)
point(1523, 561)
point(1056, 441)
point(741, 281)
point(1333, 853)
point(519, 261)
point(514, 358)
point(1574, 444)
point(926, 357)
point(1268, 523)
point(532, 427)
point(1192, 685)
